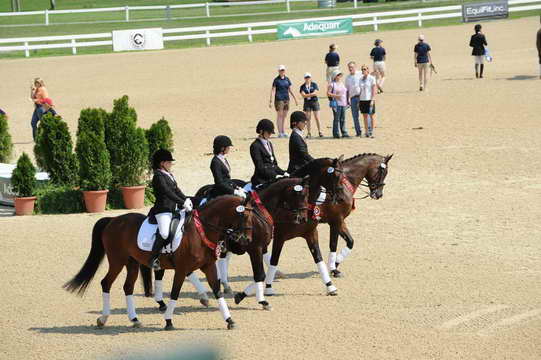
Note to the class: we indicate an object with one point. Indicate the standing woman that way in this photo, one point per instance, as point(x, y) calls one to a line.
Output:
point(478, 43)
point(262, 154)
point(168, 199)
point(220, 168)
point(422, 61)
point(332, 60)
point(309, 91)
point(38, 92)
point(337, 94)
point(298, 150)
point(378, 55)
point(280, 91)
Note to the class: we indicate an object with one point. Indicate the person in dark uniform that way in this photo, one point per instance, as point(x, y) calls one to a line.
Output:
point(538, 43)
point(478, 43)
point(168, 198)
point(262, 153)
point(332, 60)
point(298, 150)
point(220, 168)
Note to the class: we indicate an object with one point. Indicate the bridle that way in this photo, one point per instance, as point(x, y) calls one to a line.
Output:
point(378, 183)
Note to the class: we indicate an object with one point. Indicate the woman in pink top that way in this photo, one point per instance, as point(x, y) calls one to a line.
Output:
point(38, 92)
point(337, 94)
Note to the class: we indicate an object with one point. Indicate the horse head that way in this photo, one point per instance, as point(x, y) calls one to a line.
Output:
point(294, 198)
point(375, 175)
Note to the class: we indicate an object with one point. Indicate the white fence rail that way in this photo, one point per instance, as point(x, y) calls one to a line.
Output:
point(249, 29)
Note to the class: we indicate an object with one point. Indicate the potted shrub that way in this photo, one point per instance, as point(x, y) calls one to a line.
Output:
point(94, 165)
point(23, 181)
point(6, 145)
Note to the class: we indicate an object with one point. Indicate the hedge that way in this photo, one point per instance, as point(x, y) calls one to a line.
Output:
point(6, 145)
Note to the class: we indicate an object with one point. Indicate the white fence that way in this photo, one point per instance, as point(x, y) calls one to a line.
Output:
point(250, 29)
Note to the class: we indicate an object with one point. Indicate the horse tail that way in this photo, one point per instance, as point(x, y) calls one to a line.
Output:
point(81, 281)
point(146, 279)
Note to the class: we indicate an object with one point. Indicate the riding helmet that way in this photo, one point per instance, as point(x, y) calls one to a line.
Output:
point(265, 125)
point(161, 155)
point(221, 142)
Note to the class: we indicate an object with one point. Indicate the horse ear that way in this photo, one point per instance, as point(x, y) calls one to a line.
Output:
point(388, 157)
point(341, 158)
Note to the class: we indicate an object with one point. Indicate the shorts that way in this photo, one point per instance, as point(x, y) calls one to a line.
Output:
point(364, 107)
point(312, 105)
point(379, 66)
point(281, 105)
point(330, 70)
point(479, 59)
point(423, 66)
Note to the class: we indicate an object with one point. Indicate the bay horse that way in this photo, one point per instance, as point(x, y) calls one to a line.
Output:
point(203, 230)
point(371, 167)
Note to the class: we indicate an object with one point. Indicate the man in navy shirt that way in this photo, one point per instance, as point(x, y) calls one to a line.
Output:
point(422, 61)
point(378, 55)
point(332, 59)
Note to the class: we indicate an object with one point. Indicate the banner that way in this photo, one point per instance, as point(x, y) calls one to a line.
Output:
point(141, 39)
point(314, 28)
point(482, 11)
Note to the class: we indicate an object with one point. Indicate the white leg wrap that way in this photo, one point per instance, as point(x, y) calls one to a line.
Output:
point(344, 253)
point(322, 268)
point(130, 307)
point(222, 264)
point(217, 264)
point(194, 279)
point(170, 309)
point(223, 308)
point(106, 310)
point(158, 290)
point(266, 258)
point(332, 261)
point(251, 289)
point(271, 273)
point(260, 296)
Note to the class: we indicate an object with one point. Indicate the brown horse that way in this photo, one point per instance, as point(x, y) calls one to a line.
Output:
point(203, 232)
point(351, 172)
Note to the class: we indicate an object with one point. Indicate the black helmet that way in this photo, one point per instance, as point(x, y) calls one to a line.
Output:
point(159, 156)
point(265, 125)
point(221, 142)
point(297, 116)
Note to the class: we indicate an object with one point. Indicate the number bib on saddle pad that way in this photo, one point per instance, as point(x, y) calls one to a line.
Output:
point(322, 196)
point(147, 235)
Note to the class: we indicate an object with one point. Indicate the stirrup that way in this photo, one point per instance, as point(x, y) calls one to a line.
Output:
point(155, 265)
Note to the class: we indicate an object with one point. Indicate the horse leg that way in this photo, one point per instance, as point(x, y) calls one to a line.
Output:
point(333, 245)
point(256, 259)
point(277, 246)
point(132, 268)
point(212, 278)
point(223, 265)
point(158, 289)
point(178, 280)
point(344, 253)
point(313, 245)
point(267, 258)
point(201, 289)
point(114, 269)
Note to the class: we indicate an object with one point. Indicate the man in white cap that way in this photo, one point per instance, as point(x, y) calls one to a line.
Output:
point(422, 61)
point(309, 91)
point(280, 91)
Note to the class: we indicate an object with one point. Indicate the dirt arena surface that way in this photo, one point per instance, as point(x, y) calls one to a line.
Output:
point(446, 266)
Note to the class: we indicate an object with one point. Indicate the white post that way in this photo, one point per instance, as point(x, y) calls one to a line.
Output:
point(375, 23)
point(355, 4)
point(73, 47)
point(26, 50)
point(127, 9)
point(250, 38)
point(419, 20)
point(46, 17)
point(207, 6)
point(288, 6)
point(208, 37)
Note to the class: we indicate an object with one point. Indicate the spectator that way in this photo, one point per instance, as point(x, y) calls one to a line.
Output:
point(367, 83)
point(422, 61)
point(539, 47)
point(2, 112)
point(378, 55)
point(478, 43)
point(332, 59)
point(38, 92)
point(47, 107)
point(309, 91)
point(353, 93)
point(281, 89)
point(337, 94)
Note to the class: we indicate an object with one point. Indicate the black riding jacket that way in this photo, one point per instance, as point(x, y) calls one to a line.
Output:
point(222, 178)
point(167, 193)
point(298, 153)
point(266, 166)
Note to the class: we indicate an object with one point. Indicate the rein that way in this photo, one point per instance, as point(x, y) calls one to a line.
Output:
point(262, 208)
point(199, 226)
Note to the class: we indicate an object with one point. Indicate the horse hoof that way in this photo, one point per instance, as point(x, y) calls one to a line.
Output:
point(227, 289)
point(149, 294)
point(332, 293)
point(100, 323)
point(137, 324)
point(267, 307)
point(162, 306)
point(239, 297)
point(204, 301)
point(336, 274)
point(279, 275)
point(169, 325)
point(230, 324)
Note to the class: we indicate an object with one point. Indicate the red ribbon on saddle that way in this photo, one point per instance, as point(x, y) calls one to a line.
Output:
point(316, 211)
point(350, 188)
point(199, 226)
point(261, 207)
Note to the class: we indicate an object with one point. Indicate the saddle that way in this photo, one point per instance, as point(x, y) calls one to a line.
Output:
point(175, 221)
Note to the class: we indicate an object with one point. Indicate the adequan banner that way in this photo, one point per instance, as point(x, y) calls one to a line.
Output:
point(314, 28)
point(483, 11)
point(139, 39)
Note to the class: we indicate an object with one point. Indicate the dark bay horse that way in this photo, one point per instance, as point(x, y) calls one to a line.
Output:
point(203, 230)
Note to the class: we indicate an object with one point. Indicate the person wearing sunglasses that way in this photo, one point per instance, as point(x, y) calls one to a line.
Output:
point(367, 85)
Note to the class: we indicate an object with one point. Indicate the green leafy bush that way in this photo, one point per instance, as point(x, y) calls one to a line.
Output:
point(23, 178)
point(6, 146)
point(92, 120)
point(159, 136)
point(54, 151)
point(59, 200)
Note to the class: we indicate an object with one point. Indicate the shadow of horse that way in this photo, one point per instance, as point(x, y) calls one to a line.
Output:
point(179, 310)
point(108, 330)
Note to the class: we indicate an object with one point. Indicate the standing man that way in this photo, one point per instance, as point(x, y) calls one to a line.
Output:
point(478, 43)
point(298, 150)
point(280, 91)
point(422, 61)
point(378, 55)
point(353, 93)
point(539, 47)
point(367, 84)
point(332, 60)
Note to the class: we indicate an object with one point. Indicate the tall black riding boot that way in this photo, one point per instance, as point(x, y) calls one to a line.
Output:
point(159, 243)
point(481, 72)
point(477, 71)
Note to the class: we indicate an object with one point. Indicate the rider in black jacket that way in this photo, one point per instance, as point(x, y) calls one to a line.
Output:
point(298, 150)
point(478, 42)
point(168, 198)
point(220, 168)
point(262, 153)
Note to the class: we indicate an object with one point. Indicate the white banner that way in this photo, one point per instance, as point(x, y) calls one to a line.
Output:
point(140, 39)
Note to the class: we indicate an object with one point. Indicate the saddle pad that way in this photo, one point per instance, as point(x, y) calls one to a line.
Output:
point(147, 235)
point(322, 196)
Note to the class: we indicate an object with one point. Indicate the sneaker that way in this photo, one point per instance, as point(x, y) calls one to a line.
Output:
point(420, 88)
point(345, 136)
point(321, 134)
point(371, 136)
point(309, 136)
point(359, 135)
point(366, 135)
point(284, 135)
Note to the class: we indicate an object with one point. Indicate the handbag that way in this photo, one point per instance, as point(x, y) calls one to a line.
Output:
point(332, 101)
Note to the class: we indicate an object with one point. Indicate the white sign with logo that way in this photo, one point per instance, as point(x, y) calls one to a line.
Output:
point(140, 39)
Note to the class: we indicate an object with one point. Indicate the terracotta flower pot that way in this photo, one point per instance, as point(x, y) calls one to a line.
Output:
point(95, 200)
point(134, 196)
point(24, 205)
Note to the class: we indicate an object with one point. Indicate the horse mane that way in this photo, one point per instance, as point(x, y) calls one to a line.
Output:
point(359, 156)
point(311, 167)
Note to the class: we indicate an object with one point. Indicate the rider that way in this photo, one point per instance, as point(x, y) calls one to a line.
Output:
point(221, 169)
point(262, 153)
point(298, 150)
point(168, 198)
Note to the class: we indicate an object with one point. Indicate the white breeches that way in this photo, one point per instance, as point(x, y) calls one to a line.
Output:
point(164, 222)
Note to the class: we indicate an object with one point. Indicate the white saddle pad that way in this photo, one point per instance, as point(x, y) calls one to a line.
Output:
point(147, 235)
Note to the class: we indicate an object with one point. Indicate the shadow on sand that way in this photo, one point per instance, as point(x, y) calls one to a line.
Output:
point(110, 330)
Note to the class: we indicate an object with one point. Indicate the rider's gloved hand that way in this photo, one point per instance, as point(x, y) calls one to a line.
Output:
point(188, 206)
point(240, 192)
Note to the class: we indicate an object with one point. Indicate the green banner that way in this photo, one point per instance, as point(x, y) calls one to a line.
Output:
point(314, 28)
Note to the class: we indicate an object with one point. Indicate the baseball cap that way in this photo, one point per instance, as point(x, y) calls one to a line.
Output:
point(281, 67)
point(335, 73)
point(307, 75)
point(421, 37)
point(47, 101)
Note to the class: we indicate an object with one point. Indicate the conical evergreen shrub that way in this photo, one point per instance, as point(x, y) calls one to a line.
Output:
point(23, 178)
point(6, 146)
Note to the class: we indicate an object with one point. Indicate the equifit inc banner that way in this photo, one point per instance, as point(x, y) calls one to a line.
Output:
point(314, 28)
point(488, 10)
point(140, 39)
